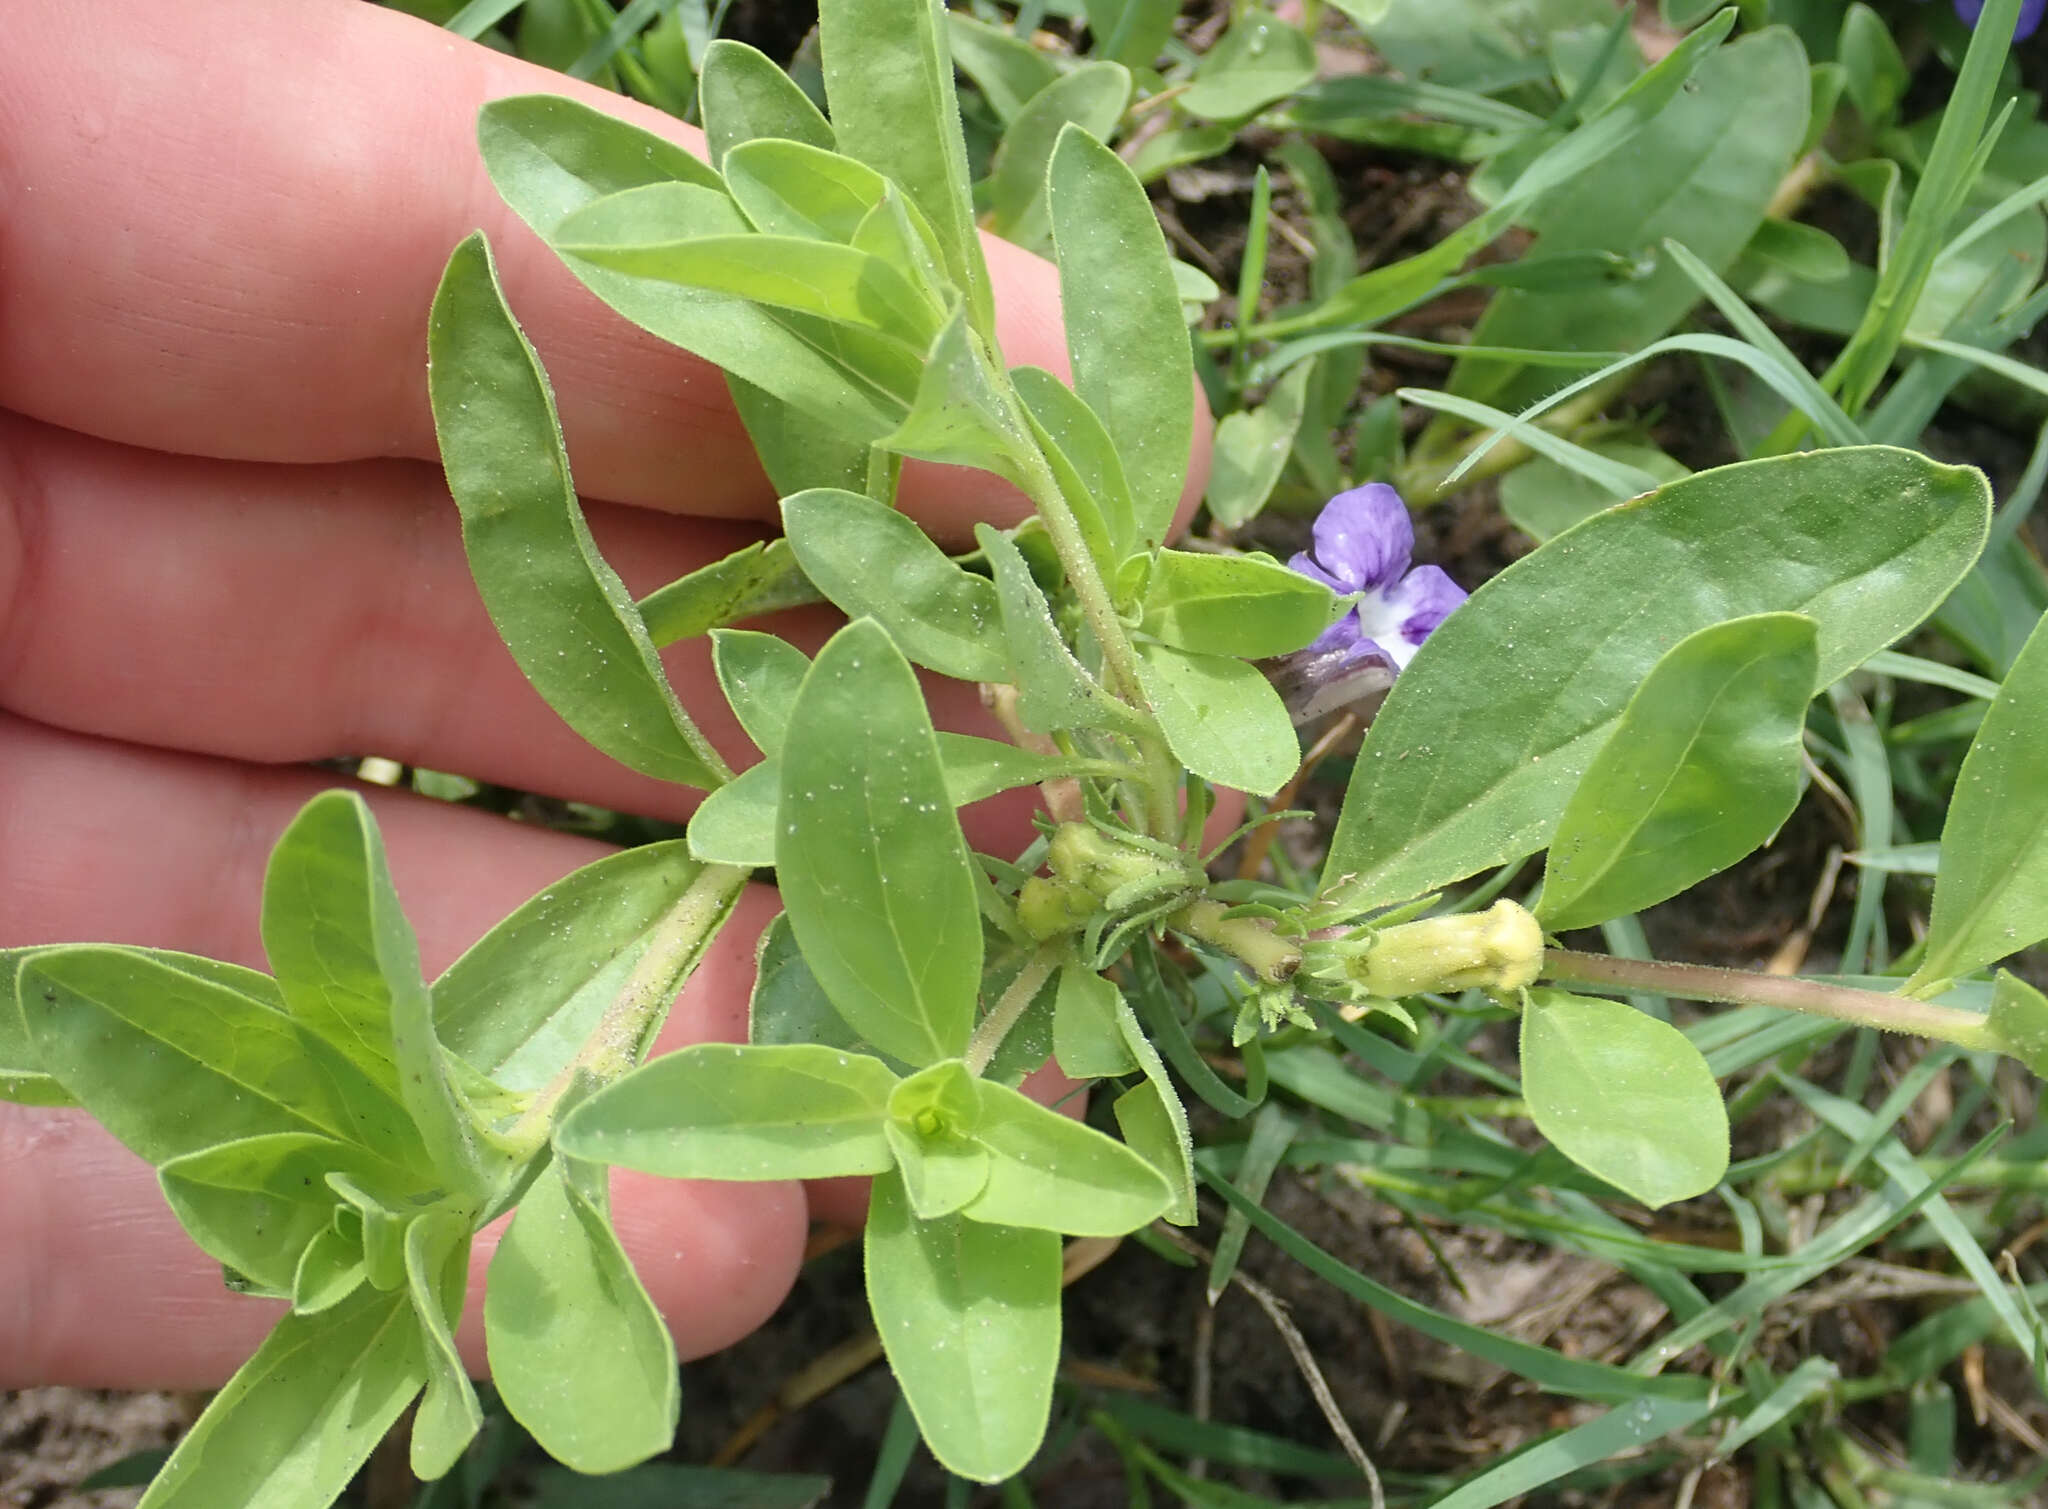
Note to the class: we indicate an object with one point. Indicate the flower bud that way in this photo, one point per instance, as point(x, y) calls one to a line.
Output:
point(1498, 950)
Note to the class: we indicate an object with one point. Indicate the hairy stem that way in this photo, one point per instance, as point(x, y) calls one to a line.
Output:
point(1703, 982)
point(1119, 659)
point(1004, 1015)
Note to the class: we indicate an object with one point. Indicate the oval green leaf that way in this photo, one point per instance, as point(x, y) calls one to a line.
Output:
point(874, 870)
point(728, 1111)
point(1092, 97)
point(578, 1352)
point(1244, 605)
point(1053, 1173)
point(1117, 288)
point(1624, 1096)
point(1485, 735)
point(1221, 716)
point(873, 562)
point(1701, 768)
point(969, 1316)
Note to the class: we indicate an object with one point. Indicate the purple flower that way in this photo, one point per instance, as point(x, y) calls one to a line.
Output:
point(1972, 11)
point(1363, 540)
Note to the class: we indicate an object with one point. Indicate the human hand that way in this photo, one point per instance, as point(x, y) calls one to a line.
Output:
point(225, 548)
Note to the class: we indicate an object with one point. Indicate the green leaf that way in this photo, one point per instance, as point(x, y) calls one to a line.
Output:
point(1468, 766)
point(962, 416)
point(1092, 97)
point(1221, 717)
point(1701, 768)
point(1543, 499)
point(933, 1116)
point(578, 1352)
point(436, 1273)
point(1259, 60)
point(735, 825)
point(664, 1485)
point(789, 1006)
point(745, 95)
point(726, 1111)
point(1153, 1120)
point(1245, 605)
point(759, 578)
point(1991, 891)
point(551, 158)
point(1252, 447)
point(349, 968)
point(1083, 461)
point(294, 1424)
point(1623, 1430)
point(22, 1079)
point(1131, 32)
point(1701, 172)
point(1006, 68)
point(872, 562)
point(1051, 1172)
point(563, 612)
point(969, 1316)
point(797, 451)
point(1054, 691)
point(1117, 288)
point(172, 1061)
point(2019, 1019)
point(524, 999)
point(889, 80)
point(874, 870)
point(255, 1204)
point(837, 284)
point(759, 674)
point(1087, 1042)
point(1626, 1097)
point(789, 189)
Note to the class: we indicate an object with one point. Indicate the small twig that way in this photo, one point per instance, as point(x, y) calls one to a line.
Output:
point(1297, 1347)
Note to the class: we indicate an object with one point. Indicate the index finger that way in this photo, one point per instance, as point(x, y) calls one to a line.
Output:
point(212, 253)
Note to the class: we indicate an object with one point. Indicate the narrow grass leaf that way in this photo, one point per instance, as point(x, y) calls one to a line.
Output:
point(1627, 1427)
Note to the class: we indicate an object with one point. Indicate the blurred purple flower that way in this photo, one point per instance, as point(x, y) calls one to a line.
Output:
point(1972, 11)
point(1363, 541)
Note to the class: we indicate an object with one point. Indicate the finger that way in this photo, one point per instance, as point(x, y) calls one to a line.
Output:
point(98, 1285)
point(284, 613)
point(210, 253)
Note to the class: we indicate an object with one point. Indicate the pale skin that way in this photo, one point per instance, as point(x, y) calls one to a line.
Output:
point(225, 549)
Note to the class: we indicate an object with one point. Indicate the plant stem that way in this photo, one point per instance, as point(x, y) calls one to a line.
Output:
point(1004, 1014)
point(1704, 982)
point(629, 1023)
point(1119, 658)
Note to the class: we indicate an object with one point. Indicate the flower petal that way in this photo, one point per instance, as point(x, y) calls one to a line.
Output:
point(1306, 564)
point(1397, 621)
point(1972, 11)
point(1363, 537)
